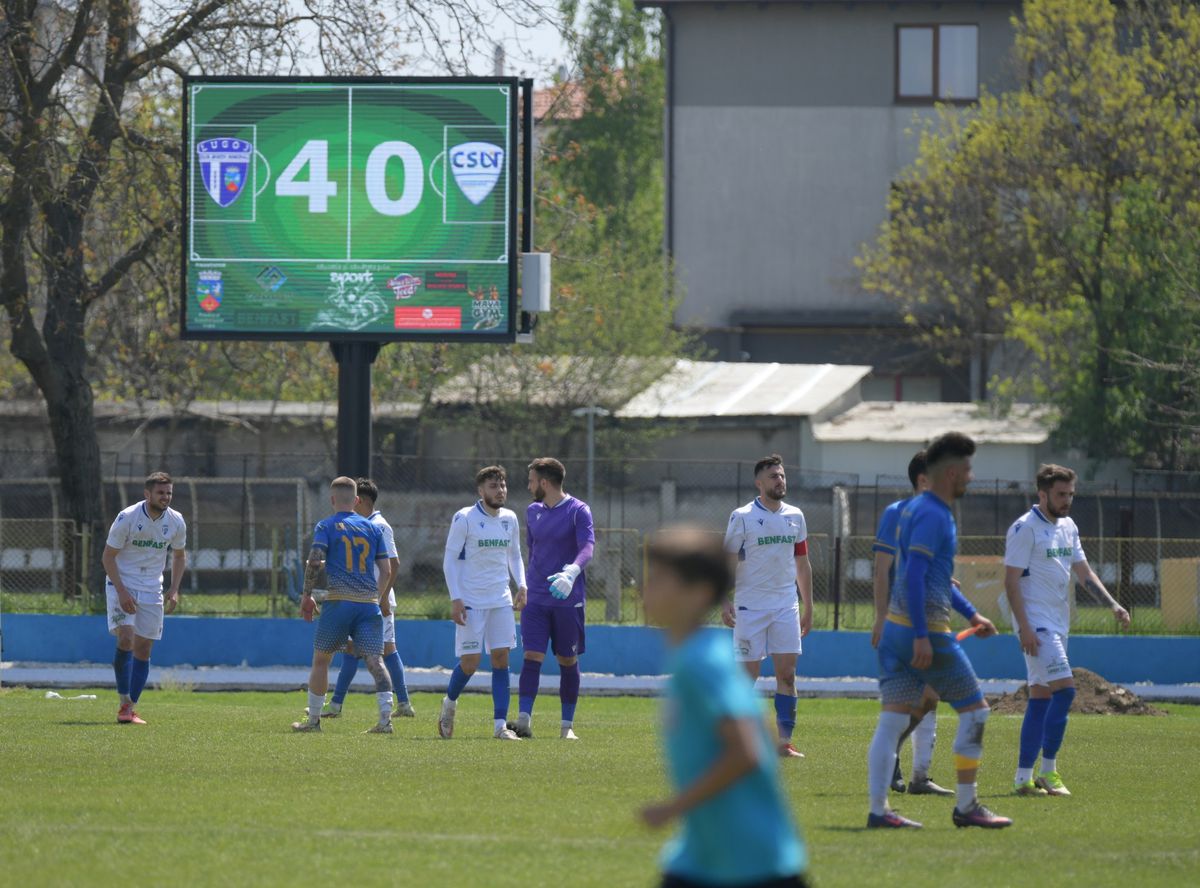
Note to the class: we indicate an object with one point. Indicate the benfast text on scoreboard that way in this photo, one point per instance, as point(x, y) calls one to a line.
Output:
point(350, 208)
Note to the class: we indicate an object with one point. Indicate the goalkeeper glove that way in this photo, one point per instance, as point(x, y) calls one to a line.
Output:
point(562, 582)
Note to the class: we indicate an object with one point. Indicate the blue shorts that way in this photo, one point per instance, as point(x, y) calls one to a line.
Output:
point(950, 673)
point(359, 621)
point(562, 627)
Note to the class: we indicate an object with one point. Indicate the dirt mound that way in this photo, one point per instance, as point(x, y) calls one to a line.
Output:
point(1093, 696)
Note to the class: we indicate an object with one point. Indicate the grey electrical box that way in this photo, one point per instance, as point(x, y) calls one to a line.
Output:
point(535, 282)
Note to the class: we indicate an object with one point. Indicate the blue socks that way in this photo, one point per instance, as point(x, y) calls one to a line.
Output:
point(345, 677)
point(121, 668)
point(395, 668)
point(137, 678)
point(785, 715)
point(1056, 721)
point(568, 690)
point(458, 681)
point(1032, 730)
point(500, 693)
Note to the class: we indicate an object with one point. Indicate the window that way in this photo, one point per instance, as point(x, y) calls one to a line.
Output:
point(937, 63)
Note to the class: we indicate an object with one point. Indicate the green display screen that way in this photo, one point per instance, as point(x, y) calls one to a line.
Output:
point(350, 209)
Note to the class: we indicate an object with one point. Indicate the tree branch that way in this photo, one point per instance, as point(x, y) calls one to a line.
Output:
point(135, 254)
point(173, 38)
point(41, 89)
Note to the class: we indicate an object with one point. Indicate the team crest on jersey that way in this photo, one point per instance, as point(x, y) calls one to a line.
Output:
point(225, 168)
point(504, 524)
point(476, 167)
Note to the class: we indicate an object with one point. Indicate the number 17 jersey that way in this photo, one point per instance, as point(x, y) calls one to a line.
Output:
point(351, 544)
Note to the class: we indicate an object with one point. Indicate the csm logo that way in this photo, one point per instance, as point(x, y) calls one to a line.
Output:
point(476, 167)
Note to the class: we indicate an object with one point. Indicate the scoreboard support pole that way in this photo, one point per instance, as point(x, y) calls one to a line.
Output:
point(354, 406)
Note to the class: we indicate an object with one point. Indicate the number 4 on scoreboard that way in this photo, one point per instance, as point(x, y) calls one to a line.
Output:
point(319, 187)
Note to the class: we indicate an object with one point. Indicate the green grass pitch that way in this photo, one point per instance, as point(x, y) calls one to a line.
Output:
point(216, 791)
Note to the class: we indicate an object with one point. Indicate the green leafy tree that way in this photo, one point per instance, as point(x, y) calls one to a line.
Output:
point(599, 212)
point(1059, 218)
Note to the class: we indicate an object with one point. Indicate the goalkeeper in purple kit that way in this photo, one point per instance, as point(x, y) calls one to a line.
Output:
point(561, 541)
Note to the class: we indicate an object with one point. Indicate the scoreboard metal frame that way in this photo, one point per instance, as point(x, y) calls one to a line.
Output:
point(519, 135)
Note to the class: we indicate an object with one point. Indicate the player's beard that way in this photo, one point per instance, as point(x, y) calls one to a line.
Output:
point(538, 494)
point(1057, 514)
point(777, 495)
point(495, 504)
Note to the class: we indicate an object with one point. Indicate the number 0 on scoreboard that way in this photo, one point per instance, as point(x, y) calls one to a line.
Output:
point(350, 209)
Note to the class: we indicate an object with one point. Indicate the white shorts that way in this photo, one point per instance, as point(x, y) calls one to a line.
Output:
point(1051, 663)
point(147, 621)
point(760, 633)
point(487, 629)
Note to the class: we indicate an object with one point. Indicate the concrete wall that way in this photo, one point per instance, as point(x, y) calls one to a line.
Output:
point(786, 137)
point(619, 650)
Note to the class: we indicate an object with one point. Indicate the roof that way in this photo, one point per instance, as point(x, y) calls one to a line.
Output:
point(226, 411)
point(561, 101)
point(719, 388)
point(915, 422)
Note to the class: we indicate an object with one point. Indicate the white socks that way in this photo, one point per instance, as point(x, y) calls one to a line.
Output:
point(316, 702)
point(881, 758)
point(966, 797)
point(924, 738)
point(385, 706)
point(1049, 765)
point(498, 725)
point(1024, 775)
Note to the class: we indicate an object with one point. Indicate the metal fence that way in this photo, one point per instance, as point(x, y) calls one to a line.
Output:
point(44, 565)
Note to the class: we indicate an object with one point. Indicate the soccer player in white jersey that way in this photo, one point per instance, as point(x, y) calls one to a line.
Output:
point(770, 539)
point(368, 496)
point(134, 558)
point(483, 550)
point(1040, 555)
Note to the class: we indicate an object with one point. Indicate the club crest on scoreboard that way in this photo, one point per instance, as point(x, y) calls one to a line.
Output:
point(209, 290)
point(225, 168)
point(476, 167)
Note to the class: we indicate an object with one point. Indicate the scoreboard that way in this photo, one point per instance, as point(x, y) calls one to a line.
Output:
point(342, 209)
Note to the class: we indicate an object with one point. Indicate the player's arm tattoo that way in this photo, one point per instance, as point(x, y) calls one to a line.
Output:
point(312, 569)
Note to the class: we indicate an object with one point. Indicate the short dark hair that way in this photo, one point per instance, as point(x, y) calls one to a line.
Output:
point(490, 473)
point(767, 462)
point(1050, 474)
point(549, 468)
point(695, 555)
point(952, 445)
point(917, 466)
point(368, 489)
point(156, 478)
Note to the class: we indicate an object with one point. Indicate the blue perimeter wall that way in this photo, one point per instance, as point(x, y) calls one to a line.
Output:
point(619, 650)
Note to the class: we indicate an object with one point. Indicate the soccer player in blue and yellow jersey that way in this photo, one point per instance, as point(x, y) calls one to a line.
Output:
point(737, 826)
point(923, 723)
point(917, 647)
point(356, 567)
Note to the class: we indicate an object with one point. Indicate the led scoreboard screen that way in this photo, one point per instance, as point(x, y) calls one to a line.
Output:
point(350, 209)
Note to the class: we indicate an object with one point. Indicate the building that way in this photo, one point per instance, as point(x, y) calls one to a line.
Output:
point(786, 125)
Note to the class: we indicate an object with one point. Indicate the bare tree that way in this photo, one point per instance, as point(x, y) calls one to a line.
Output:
point(89, 154)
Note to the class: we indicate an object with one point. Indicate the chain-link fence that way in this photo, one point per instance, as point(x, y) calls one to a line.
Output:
point(43, 569)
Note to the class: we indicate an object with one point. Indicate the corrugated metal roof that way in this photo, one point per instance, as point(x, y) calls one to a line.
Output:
point(718, 388)
point(916, 422)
